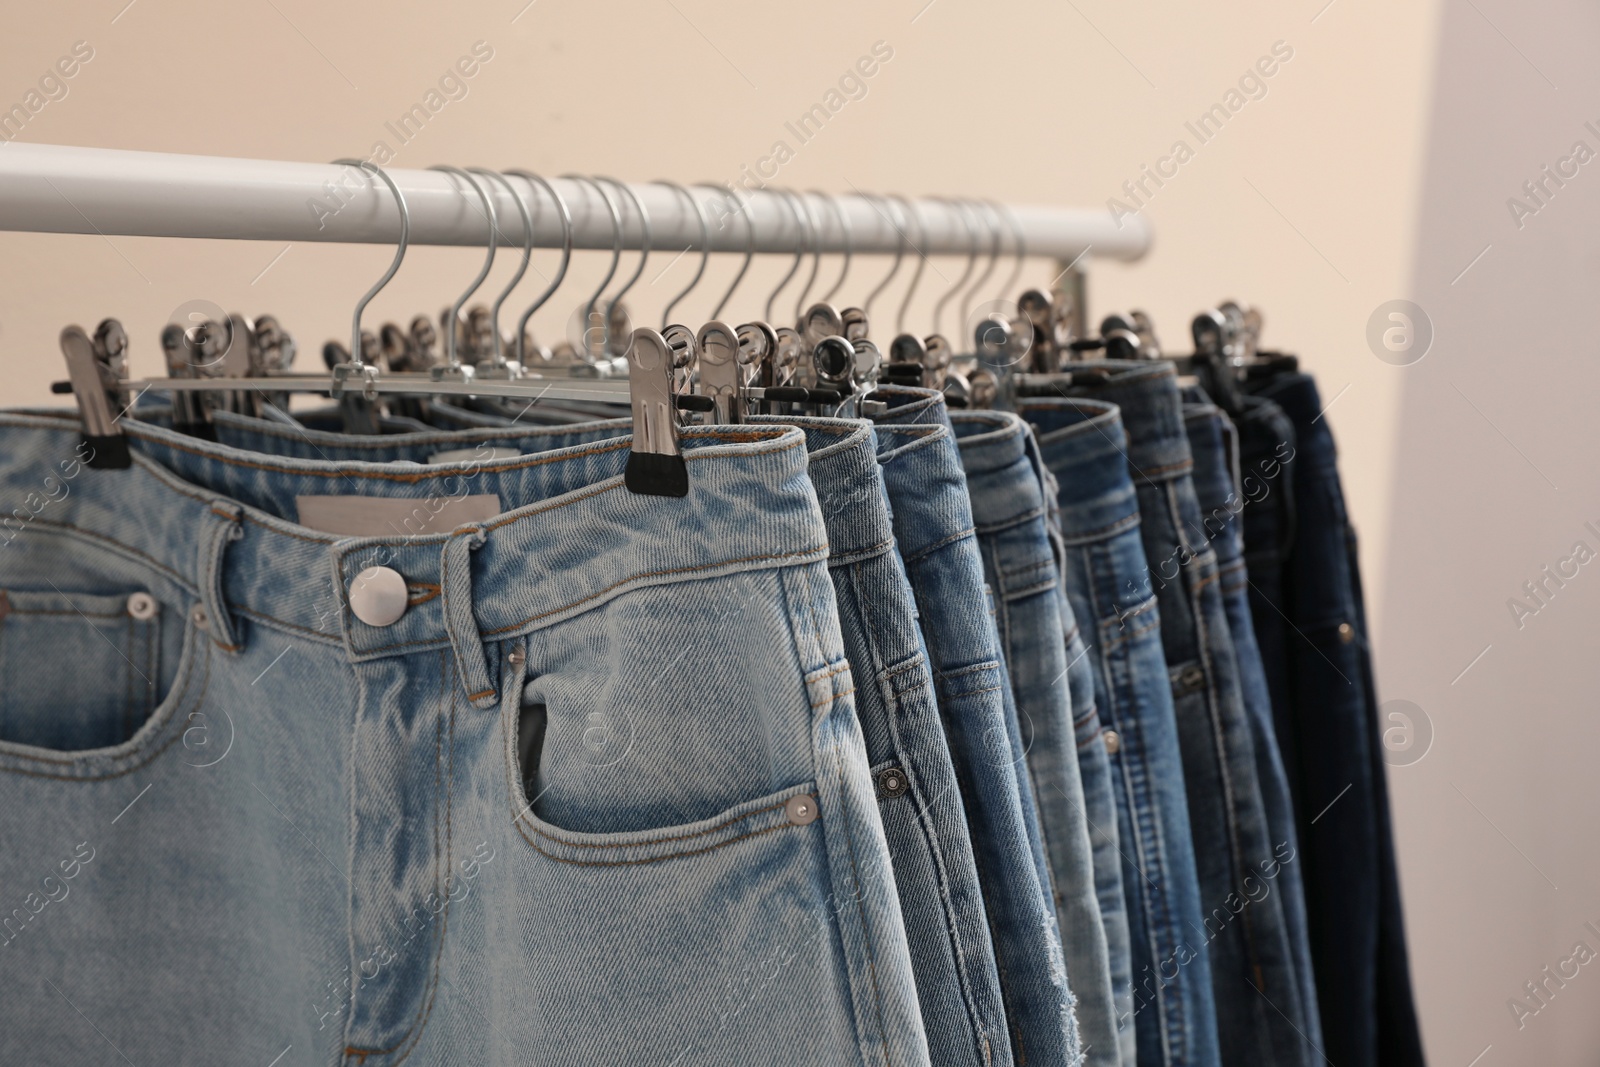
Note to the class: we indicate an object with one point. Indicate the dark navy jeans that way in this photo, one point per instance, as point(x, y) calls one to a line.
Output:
point(1312, 631)
point(1108, 583)
point(1224, 490)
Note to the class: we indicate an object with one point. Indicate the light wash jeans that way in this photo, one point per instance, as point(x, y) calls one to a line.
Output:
point(1009, 509)
point(319, 841)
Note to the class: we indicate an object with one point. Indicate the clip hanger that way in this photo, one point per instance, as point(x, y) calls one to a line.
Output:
point(655, 465)
point(96, 369)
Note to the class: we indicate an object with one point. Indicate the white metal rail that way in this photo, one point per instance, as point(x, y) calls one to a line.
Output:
point(60, 189)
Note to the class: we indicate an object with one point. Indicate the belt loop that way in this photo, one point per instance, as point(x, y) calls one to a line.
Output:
point(455, 581)
point(222, 523)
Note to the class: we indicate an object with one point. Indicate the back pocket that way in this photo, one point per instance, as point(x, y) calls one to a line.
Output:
point(77, 671)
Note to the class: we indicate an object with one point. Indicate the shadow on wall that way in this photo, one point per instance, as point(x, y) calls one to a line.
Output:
point(1491, 615)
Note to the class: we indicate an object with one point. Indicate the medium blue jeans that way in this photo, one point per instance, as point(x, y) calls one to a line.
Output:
point(1009, 509)
point(320, 836)
point(952, 954)
point(1108, 582)
point(1245, 931)
point(1094, 765)
point(934, 529)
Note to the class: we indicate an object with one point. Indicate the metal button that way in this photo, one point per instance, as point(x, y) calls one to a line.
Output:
point(142, 606)
point(1347, 633)
point(516, 657)
point(892, 782)
point(378, 596)
point(1113, 742)
point(802, 810)
point(199, 617)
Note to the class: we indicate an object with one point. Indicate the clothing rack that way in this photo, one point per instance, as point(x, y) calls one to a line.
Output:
point(112, 192)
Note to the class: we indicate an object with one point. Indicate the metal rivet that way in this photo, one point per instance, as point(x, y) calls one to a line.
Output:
point(142, 606)
point(1113, 742)
point(892, 782)
point(199, 616)
point(1347, 633)
point(378, 596)
point(516, 657)
point(802, 809)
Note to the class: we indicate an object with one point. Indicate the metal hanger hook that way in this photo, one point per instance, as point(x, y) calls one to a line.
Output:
point(488, 261)
point(789, 200)
point(849, 241)
point(566, 258)
point(994, 258)
point(972, 261)
point(922, 262)
point(705, 249)
point(616, 257)
point(749, 247)
point(899, 251)
point(499, 357)
point(399, 252)
point(1020, 250)
point(815, 233)
point(644, 242)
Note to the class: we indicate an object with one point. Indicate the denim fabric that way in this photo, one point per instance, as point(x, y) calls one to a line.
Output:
point(1245, 932)
point(321, 837)
point(1003, 477)
point(1224, 489)
point(1107, 580)
point(935, 873)
point(952, 955)
point(1313, 644)
point(1100, 805)
point(934, 530)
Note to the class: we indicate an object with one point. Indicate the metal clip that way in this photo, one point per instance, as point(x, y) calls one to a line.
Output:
point(655, 466)
point(96, 370)
point(721, 371)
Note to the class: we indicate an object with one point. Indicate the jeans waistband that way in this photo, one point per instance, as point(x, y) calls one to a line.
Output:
point(1152, 414)
point(929, 489)
point(911, 404)
point(844, 471)
point(1214, 442)
point(1084, 445)
point(1297, 395)
point(570, 538)
point(258, 435)
point(996, 450)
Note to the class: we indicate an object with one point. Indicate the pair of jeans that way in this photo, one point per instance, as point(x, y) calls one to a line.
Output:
point(1313, 631)
point(935, 874)
point(1224, 490)
point(934, 529)
point(1019, 562)
point(952, 955)
point(1108, 583)
point(1246, 935)
point(1094, 761)
point(321, 838)
point(1094, 766)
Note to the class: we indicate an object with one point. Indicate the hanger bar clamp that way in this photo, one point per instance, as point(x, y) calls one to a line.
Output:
point(112, 192)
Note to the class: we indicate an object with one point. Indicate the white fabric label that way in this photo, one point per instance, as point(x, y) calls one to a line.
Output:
point(369, 516)
point(467, 455)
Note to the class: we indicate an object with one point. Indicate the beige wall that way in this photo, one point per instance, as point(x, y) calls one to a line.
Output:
point(1306, 203)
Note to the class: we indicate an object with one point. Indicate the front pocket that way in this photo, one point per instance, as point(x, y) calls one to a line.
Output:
point(787, 809)
point(77, 670)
